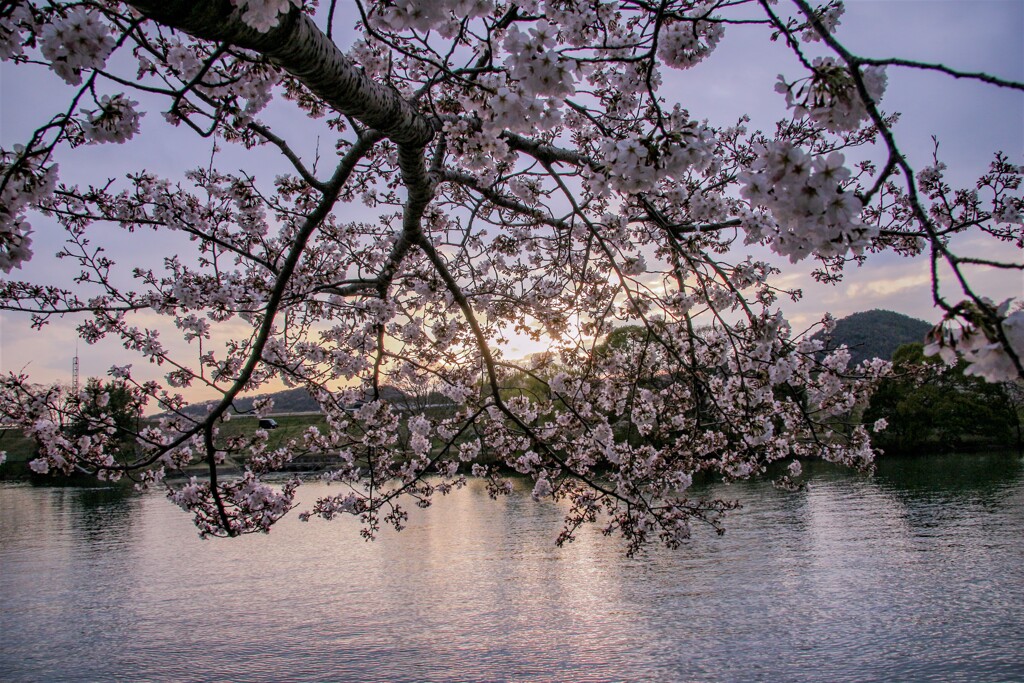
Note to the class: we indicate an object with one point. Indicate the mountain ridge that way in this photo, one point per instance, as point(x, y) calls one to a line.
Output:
point(875, 333)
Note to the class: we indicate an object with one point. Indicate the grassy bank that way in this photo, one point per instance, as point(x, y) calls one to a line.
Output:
point(20, 449)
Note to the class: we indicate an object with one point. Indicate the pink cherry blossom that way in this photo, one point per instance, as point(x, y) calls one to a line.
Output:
point(378, 206)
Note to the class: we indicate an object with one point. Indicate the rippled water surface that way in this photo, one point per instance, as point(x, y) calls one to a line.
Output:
point(914, 574)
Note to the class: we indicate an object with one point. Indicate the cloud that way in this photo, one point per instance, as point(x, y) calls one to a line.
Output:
point(888, 288)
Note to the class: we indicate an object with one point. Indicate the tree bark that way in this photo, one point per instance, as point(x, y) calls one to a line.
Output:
point(303, 50)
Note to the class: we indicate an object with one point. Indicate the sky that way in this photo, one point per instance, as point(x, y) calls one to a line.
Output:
point(971, 120)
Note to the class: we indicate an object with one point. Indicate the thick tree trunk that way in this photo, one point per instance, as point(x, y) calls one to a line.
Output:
point(300, 48)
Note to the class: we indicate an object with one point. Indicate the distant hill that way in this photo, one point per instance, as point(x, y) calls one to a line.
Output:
point(869, 334)
point(876, 333)
point(287, 401)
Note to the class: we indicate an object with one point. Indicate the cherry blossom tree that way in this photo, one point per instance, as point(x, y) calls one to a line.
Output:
point(526, 171)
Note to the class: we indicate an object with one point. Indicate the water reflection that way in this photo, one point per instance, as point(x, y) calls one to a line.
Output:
point(916, 573)
point(978, 475)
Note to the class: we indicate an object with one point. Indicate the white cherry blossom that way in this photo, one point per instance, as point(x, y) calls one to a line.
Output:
point(116, 120)
point(434, 180)
point(77, 42)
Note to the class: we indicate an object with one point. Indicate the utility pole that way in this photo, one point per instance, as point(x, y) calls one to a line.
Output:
point(74, 374)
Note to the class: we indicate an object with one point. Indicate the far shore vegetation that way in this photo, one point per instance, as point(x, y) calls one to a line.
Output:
point(927, 407)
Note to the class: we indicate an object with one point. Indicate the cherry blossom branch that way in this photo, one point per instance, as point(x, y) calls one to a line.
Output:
point(941, 68)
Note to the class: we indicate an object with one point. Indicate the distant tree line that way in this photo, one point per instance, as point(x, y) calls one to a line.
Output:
point(933, 407)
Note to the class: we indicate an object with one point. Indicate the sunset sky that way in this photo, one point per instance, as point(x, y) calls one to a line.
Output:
point(971, 121)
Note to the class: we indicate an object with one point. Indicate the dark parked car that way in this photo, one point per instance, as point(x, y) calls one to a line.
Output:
point(268, 424)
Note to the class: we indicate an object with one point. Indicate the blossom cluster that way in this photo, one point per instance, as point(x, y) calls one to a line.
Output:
point(529, 94)
point(987, 356)
point(829, 18)
point(635, 164)
point(530, 174)
point(115, 121)
point(77, 42)
point(424, 15)
point(813, 213)
point(533, 61)
point(683, 44)
point(264, 15)
point(249, 505)
point(13, 22)
point(831, 97)
point(240, 79)
point(511, 109)
point(25, 184)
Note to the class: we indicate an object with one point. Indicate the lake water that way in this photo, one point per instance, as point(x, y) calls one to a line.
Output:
point(915, 574)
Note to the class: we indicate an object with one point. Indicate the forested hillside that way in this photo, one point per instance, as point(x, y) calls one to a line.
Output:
point(876, 333)
point(869, 334)
point(287, 401)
